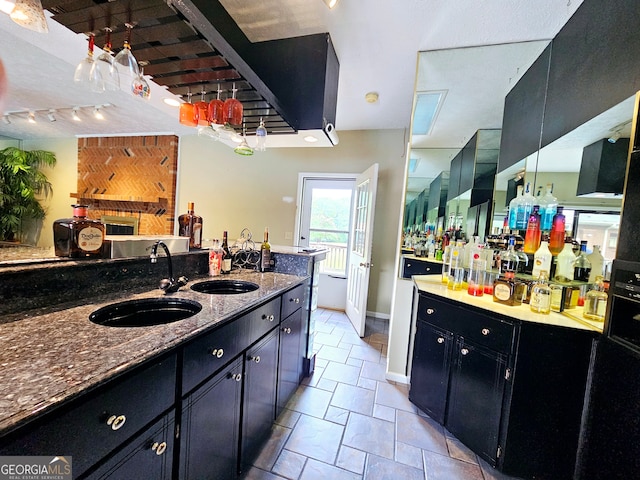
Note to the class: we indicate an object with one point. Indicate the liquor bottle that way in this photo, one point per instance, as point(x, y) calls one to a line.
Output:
point(564, 266)
point(540, 300)
point(548, 208)
point(513, 207)
point(190, 225)
point(582, 265)
point(507, 290)
point(226, 255)
point(265, 252)
point(556, 237)
point(595, 304)
point(525, 207)
point(78, 237)
point(597, 263)
point(532, 237)
point(509, 259)
point(541, 259)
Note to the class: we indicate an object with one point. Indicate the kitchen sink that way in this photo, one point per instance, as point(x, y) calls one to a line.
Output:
point(145, 312)
point(224, 287)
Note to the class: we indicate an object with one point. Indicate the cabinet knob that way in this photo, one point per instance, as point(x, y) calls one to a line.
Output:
point(486, 331)
point(159, 448)
point(294, 300)
point(116, 422)
point(440, 340)
point(286, 330)
point(217, 352)
point(464, 351)
point(428, 269)
point(255, 359)
point(271, 318)
point(237, 377)
point(430, 311)
point(408, 265)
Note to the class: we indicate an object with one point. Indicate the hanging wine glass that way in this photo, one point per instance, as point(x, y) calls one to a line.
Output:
point(233, 109)
point(85, 74)
point(105, 65)
point(139, 86)
point(203, 110)
point(243, 148)
point(216, 110)
point(261, 137)
point(125, 58)
point(188, 113)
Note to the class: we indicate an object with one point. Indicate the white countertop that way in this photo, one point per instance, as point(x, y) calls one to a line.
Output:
point(569, 318)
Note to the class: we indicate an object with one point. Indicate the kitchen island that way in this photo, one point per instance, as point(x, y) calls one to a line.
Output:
point(61, 372)
point(507, 382)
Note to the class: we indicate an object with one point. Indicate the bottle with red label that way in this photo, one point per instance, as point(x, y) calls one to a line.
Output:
point(78, 237)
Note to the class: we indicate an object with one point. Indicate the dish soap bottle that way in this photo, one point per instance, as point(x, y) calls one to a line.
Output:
point(78, 237)
point(190, 225)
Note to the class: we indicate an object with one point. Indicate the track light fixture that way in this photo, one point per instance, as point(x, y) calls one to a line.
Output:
point(32, 117)
point(54, 114)
point(98, 113)
point(75, 116)
point(51, 115)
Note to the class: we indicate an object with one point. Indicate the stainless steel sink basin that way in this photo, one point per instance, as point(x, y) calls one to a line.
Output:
point(224, 287)
point(145, 312)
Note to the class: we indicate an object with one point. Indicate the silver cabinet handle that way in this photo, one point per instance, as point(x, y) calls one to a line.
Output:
point(430, 311)
point(217, 352)
point(159, 448)
point(464, 351)
point(116, 422)
point(294, 300)
point(428, 269)
point(486, 331)
point(237, 377)
point(440, 340)
point(255, 359)
point(271, 318)
point(286, 330)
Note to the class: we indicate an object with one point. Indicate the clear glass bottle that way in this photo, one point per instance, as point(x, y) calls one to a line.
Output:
point(541, 259)
point(550, 208)
point(595, 304)
point(78, 237)
point(446, 258)
point(582, 265)
point(556, 236)
point(525, 207)
point(540, 300)
point(509, 259)
point(190, 225)
point(265, 252)
point(597, 263)
point(564, 265)
point(533, 235)
point(507, 290)
point(513, 207)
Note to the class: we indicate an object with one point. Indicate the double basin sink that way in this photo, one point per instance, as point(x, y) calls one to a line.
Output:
point(158, 311)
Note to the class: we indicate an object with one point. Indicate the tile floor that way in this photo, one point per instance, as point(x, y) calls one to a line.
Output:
point(347, 422)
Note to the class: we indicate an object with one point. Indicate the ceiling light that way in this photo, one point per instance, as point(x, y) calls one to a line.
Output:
point(32, 117)
point(331, 3)
point(371, 97)
point(426, 108)
point(51, 115)
point(7, 6)
point(29, 14)
point(310, 139)
point(171, 102)
point(97, 113)
point(6, 119)
point(75, 116)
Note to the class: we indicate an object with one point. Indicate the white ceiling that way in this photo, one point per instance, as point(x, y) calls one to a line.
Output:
point(377, 43)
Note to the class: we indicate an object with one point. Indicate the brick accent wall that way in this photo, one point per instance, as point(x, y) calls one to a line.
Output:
point(130, 176)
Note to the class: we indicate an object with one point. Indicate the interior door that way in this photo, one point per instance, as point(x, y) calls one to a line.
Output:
point(364, 201)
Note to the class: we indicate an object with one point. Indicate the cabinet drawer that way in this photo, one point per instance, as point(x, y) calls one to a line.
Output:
point(411, 266)
point(292, 301)
point(260, 321)
point(481, 329)
point(209, 353)
point(108, 417)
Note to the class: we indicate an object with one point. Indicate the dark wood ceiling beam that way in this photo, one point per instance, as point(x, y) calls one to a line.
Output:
point(161, 52)
point(201, 63)
point(197, 77)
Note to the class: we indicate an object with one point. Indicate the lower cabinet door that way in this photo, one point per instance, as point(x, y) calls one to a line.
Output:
point(291, 355)
point(475, 398)
point(430, 370)
point(211, 426)
point(148, 456)
point(259, 401)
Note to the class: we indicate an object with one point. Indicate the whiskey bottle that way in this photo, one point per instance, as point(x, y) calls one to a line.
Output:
point(78, 237)
point(507, 290)
point(190, 225)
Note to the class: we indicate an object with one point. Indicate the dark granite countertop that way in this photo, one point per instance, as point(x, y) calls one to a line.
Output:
point(48, 357)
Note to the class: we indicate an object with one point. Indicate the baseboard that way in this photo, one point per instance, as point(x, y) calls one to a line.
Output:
point(378, 315)
point(396, 377)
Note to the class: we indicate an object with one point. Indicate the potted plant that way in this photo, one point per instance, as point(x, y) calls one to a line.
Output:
point(22, 185)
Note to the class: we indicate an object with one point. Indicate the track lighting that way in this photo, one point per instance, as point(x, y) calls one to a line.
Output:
point(32, 117)
point(75, 116)
point(6, 120)
point(614, 138)
point(98, 113)
point(331, 3)
point(54, 114)
point(51, 115)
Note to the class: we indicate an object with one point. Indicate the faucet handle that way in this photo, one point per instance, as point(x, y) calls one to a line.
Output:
point(165, 284)
point(182, 281)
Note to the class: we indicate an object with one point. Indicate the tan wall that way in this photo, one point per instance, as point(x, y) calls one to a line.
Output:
point(232, 192)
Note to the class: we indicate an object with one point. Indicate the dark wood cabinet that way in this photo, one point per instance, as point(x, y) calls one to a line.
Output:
point(290, 362)
point(210, 427)
point(430, 370)
point(416, 266)
point(259, 397)
point(149, 455)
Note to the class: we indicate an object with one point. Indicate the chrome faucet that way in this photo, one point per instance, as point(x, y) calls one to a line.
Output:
point(169, 285)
